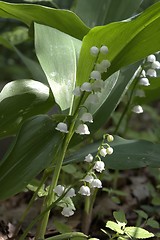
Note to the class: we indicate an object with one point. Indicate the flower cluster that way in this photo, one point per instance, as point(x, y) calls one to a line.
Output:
point(97, 165)
point(66, 202)
point(95, 83)
point(149, 68)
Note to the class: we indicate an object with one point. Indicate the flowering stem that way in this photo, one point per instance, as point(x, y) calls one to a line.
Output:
point(51, 195)
point(126, 107)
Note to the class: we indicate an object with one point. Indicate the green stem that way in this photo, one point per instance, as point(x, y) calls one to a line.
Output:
point(51, 195)
point(30, 203)
point(126, 107)
point(38, 218)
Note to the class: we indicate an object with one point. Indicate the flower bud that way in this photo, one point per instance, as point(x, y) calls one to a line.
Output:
point(103, 152)
point(104, 50)
point(110, 138)
point(94, 51)
point(109, 150)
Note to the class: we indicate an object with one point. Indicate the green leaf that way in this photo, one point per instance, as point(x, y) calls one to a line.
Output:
point(58, 55)
point(34, 67)
point(20, 100)
point(142, 214)
point(94, 12)
point(128, 154)
point(33, 150)
point(114, 226)
point(120, 218)
point(63, 20)
point(61, 227)
point(128, 42)
point(152, 223)
point(138, 232)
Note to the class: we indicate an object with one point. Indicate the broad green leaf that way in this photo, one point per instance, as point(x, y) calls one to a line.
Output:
point(128, 42)
point(34, 67)
point(138, 232)
point(33, 150)
point(94, 12)
point(58, 55)
point(128, 154)
point(114, 226)
point(120, 218)
point(20, 100)
point(63, 20)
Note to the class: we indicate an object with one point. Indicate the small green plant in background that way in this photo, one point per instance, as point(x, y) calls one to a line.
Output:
point(124, 232)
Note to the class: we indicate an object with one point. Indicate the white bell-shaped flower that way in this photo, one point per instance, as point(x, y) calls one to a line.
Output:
point(88, 178)
point(155, 65)
point(99, 166)
point(103, 152)
point(98, 85)
point(104, 50)
point(62, 127)
point(59, 190)
point(151, 72)
point(71, 193)
point(103, 66)
point(94, 51)
point(109, 150)
point(137, 109)
point(144, 81)
point(95, 75)
point(84, 190)
point(88, 158)
point(77, 91)
point(110, 138)
point(151, 58)
point(82, 129)
point(67, 211)
point(87, 87)
point(96, 183)
point(87, 117)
